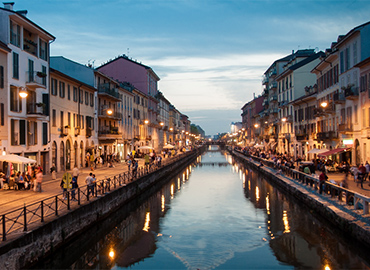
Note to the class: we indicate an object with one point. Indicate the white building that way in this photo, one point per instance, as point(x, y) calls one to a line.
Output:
point(28, 61)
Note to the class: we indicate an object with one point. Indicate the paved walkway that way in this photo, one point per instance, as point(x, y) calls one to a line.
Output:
point(14, 199)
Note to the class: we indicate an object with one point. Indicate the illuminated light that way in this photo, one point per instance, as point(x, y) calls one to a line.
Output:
point(347, 141)
point(249, 185)
point(163, 203)
point(286, 222)
point(161, 123)
point(23, 93)
point(178, 184)
point(172, 190)
point(324, 104)
point(147, 222)
point(259, 227)
point(327, 267)
point(109, 111)
point(111, 253)
point(256, 125)
point(283, 119)
point(146, 121)
point(159, 234)
point(257, 194)
point(268, 204)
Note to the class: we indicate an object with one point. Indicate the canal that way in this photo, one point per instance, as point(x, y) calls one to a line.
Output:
point(216, 214)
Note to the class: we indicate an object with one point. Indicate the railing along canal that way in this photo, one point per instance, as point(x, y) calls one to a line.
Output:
point(341, 194)
point(18, 221)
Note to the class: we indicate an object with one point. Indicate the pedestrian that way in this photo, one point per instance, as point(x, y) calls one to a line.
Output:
point(322, 178)
point(159, 160)
point(75, 172)
point(90, 184)
point(74, 187)
point(134, 168)
point(39, 177)
point(129, 163)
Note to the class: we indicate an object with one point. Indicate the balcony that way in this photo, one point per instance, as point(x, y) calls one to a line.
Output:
point(109, 133)
point(36, 79)
point(265, 80)
point(77, 131)
point(301, 137)
point(265, 102)
point(36, 110)
point(325, 136)
point(265, 93)
point(351, 93)
point(348, 127)
point(318, 112)
point(283, 103)
point(273, 98)
point(274, 110)
point(273, 86)
point(65, 130)
point(339, 98)
point(109, 91)
point(88, 132)
point(103, 113)
point(272, 72)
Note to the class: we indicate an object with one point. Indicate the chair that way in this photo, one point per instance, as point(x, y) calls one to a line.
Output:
point(11, 183)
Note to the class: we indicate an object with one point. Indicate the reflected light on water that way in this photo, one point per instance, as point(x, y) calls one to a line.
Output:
point(111, 253)
point(163, 201)
point(257, 194)
point(183, 177)
point(230, 159)
point(172, 190)
point(244, 180)
point(178, 183)
point(268, 204)
point(286, 222)
point(187, 173)
point(240, 174)
point(249, 185)
point(147, 222)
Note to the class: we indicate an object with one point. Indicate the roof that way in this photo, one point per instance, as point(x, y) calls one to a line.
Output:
point(342, 38)
point(21, 13)
point(71, 78)
point(4, 47)
point(126, 58)
point(301, 63)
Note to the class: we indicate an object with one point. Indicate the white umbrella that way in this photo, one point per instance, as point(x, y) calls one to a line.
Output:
point(16, 159)
point(145, 147)
point(169, 146)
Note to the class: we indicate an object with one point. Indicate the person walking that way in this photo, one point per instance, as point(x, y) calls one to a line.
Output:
point(90, 184)
point(39, 177)
point(75, 172)
point(74, 187)
point(134, 168)
point(322, 178)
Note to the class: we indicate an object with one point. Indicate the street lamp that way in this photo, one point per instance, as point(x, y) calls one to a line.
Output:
point(146, 121)
point(23, 93)
point(324, 104)
point(283, 119)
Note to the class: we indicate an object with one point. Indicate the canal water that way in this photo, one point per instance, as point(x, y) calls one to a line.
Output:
point(216, 214)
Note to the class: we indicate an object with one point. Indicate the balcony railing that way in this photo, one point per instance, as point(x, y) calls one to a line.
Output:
point(105, 88)
point(273, 98)
point(348, 127)
point(301, 137)
point(328, 135)
point(109, 130)
point(273, 85)
point(265, 80)
point(339, 98)
point(36, 79)
point(351, 93)
point(36, 108)
point(114, 115)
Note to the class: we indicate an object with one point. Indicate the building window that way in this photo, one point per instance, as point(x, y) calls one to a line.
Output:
point(86, 98)
point(2, 79)
point(43, 53)
point(75, 97)
point(61, 89)
point(15, 101)
point(91, 100)
point(15, 65)
point(2, 119)
point(44, 133)
point(61, 119)
point(81, 96)
point(43, 80)
point(54, 120)
point(54, 87)
point(15, 34)
point(69, 119)
point(69, 92)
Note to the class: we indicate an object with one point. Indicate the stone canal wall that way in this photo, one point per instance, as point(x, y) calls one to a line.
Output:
point(40, 242)
point(349, 224)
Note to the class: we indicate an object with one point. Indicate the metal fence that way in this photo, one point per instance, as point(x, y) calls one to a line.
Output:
point(19, 221)
point(341, 194)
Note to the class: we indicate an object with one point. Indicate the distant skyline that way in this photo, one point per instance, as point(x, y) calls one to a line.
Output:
point(209, 54)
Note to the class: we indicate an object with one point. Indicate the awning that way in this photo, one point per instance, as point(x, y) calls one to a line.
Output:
point(317, 151)
point(334, 151)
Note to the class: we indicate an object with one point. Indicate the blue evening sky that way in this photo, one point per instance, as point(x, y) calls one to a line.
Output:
point(209, 54)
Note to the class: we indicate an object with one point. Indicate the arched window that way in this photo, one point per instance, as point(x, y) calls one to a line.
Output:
point(54, 155)
point(62, 159)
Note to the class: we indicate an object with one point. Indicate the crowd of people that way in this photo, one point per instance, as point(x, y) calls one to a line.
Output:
point(26, 180)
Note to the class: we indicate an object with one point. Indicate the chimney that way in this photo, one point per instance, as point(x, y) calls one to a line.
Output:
point(8, 5)
point(22, 12)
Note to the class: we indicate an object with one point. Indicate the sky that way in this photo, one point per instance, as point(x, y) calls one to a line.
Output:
point(210, 55)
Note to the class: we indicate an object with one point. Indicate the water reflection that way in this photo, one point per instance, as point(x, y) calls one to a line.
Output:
point(210, 217)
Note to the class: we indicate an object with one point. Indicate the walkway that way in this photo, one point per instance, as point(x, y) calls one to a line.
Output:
point(14, 199)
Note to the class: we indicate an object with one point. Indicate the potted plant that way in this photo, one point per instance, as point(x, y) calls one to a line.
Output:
point(40, 104)
point(41, 74)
